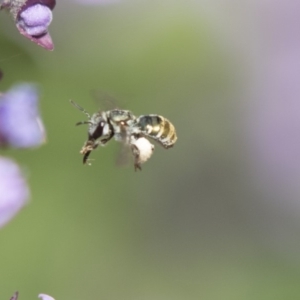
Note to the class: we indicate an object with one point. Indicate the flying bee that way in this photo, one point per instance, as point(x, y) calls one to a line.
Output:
point(128, 129)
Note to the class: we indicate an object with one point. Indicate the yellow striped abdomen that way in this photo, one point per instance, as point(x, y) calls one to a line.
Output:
point(158, 128)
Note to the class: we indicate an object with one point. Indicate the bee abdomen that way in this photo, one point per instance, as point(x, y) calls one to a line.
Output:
point(158, 128)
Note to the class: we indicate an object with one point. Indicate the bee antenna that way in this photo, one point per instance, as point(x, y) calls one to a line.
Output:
point(80, 108)
point(83, 122)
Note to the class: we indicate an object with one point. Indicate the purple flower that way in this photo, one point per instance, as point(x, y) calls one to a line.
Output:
point(15, 296)
point(275, 119)
point(14, 191)
point(32, 18)
point(45, 297)
point(33, 23)
point(20, 123)
point(35, 19)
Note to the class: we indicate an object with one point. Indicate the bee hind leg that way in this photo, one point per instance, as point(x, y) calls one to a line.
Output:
point(136, 154)
point(141, 149)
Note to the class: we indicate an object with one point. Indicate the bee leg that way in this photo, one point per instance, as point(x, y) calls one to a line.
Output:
point(86, 151)
point(137, 166)
point(136, 155)
point(87, 148)
point(86, 156)
point(104, 141)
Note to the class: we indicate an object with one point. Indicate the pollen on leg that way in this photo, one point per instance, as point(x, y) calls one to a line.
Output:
point(86, 149)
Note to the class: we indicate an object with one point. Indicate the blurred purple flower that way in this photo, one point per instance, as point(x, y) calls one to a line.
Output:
point(276, 122)
point(15, 296)
point(20, 123)
point(14, 191)
point(45, 297)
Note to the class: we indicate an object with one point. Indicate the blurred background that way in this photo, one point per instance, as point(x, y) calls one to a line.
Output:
point(215, 217)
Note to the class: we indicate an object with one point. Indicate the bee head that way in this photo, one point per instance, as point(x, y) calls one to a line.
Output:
point(100, 131)
point(96, 127)
point(96, 123)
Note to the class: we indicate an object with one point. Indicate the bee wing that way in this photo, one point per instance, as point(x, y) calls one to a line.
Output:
point(104, 100)
point(124, 156)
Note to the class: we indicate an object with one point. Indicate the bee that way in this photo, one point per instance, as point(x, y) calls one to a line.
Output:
point(132, 131)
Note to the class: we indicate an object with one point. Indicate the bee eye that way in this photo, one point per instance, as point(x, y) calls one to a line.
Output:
point(97, 131)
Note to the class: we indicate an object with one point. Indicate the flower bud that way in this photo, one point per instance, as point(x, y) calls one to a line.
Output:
point(32, 18)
